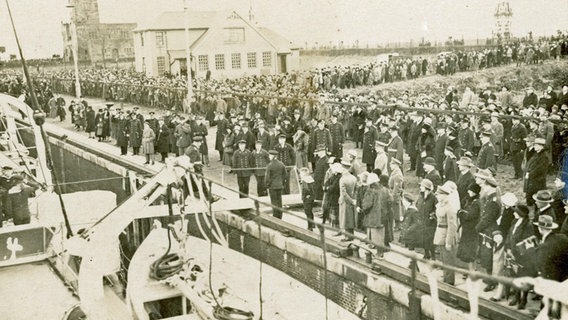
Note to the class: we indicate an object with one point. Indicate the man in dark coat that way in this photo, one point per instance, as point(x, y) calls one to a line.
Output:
point(337, 136)
point(431, 173)
point(440, 146)
point(287, 156)
point(530, 98)
point(466, 136)
point(242, 162)
point(535, 171)
point(122, 133)
point(395, 146)
point(490, 211)
point(413, 136)
point(552, 253)
point(275, 177)
point(248, 136)
point(222, 125)
point(450, 167)
point(135, 134)
point(465, 178)
point(486, 157)
point(263, 136)
point(517, 146)
point(369, 136)
point(320, 136)
point(260, 160)
point(322, 165)
point(163, 139)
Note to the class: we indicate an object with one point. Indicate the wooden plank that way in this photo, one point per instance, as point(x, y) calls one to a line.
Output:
point(309, 237)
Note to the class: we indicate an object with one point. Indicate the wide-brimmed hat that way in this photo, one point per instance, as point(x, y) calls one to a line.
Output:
point(509, 199)
point(543, 196)
point(546, 222)
point(430, 161)
point(396, 161)
point(346, 163)
point(372, 178)
point(443, 190)
point(540, 141)
point(465, 161)
point(426, 183)
point(483, 174)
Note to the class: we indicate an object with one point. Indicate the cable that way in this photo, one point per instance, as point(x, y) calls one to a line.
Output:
point(170, 263)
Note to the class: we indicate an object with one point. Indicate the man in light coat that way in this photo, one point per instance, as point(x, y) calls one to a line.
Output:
point(396, 181)
point(347, 201)
point(446, 235)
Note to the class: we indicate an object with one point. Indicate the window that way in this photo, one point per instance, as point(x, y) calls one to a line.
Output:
point(267, 59)
point(220, 61)
point(160, 39)
point(236, 60)
point(124, 34)
point(234, 35)
point(251, 59)
point(161, 65)
point(128, 50)
point(203, 62)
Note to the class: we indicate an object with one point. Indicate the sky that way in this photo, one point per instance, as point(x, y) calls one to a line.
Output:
point(323, 21)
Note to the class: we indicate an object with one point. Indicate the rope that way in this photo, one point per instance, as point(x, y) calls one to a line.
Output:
point(259, 259)
point(170, 263)
point(322, 235)
point(91, 180)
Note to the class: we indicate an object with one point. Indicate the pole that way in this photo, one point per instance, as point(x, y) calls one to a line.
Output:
point(188, 55)
point(75, 47)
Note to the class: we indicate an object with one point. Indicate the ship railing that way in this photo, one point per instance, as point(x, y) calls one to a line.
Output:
point(554, 293)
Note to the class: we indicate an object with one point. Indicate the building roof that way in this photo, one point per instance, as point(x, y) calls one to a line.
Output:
point(205, 20)
point(282, 44)
point(175, 20)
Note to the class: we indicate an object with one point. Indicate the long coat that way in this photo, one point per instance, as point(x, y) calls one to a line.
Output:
point(486, 157)
point(337, 139)
point(369, 138)
point(183, 134)
point(163, 139)
point(468, 218)
point(421, 234)
point(463, 183)
point(148, 141)
point(490, 211)
point(275, 175)
point(319, 175)
point(347, 199)
point(447, 228)
point(122, 133)
point(552, 257)
point(135, 132)
point(222, 126)
point(376, 206)
point(535, 173)
point(512, 242)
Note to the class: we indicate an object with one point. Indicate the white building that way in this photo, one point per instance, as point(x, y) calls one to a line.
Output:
point(222, 42)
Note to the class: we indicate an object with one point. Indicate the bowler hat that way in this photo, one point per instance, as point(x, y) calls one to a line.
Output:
point(543, 196)
point(546, 222)
point(474, 187)
point(430, 161)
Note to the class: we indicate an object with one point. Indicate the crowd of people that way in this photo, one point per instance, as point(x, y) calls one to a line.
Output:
point(453, 145)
